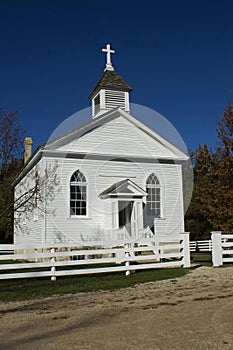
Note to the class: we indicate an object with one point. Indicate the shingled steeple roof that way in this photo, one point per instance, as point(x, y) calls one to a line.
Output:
point(111, 81)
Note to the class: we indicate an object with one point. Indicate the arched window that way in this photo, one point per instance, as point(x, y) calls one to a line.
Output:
point(78, 194)
point(153, 190)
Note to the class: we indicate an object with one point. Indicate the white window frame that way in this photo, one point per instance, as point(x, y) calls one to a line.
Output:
point(153, 205)
point(76, 194)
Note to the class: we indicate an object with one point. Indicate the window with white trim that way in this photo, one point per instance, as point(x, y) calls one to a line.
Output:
point(78, 194)
point(153, 190)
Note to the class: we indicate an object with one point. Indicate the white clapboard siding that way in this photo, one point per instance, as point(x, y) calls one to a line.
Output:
point(119, 137)
point(116, 138)
point(60, 226)
point(171, 222)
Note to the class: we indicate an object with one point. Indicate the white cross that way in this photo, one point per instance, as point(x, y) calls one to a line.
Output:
point(109, 51)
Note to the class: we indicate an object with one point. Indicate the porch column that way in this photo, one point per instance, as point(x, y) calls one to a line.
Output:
point(139, 213)
point(115, 222)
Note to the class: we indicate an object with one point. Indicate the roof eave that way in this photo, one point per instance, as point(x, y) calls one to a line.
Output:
point(110, 80)
point(98, 88)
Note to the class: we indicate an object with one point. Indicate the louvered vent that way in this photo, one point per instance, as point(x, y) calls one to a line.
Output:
point(97, 104)
point(114, 99)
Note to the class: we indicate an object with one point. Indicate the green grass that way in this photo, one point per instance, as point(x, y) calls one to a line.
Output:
point(202, 259)
point(205, 259)
point(226, 265)
point(24, 289)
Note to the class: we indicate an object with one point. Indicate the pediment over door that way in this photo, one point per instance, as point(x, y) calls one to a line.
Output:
point(123, 189)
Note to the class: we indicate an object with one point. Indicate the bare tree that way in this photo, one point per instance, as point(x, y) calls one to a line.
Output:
point(11, 153)
point(37, 189)
point(11, 139)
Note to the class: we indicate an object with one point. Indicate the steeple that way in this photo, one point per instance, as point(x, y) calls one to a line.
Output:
point(111, 91)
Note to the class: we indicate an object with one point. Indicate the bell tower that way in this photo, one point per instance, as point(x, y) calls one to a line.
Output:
point(111, 91)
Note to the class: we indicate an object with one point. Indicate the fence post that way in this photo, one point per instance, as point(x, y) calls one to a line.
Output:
point(186, 257)
point(53, 268)
point(216, 237)
point(127, 272)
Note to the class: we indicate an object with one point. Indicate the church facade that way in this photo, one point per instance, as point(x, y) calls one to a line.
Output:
point(117, 178)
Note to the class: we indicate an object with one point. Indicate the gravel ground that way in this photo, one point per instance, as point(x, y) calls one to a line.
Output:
point(191, 312)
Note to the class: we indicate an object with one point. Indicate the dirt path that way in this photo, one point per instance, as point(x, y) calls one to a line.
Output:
point(192, 312)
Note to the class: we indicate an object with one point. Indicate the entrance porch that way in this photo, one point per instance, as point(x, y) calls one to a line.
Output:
point(126, 200)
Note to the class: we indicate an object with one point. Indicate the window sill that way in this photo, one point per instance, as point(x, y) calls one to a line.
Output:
point(77, 217)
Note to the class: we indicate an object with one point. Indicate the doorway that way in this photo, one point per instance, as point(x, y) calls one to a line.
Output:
point(127, 216)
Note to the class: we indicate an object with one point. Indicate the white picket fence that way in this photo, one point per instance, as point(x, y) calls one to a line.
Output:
point(222, 248)
point(58, 260)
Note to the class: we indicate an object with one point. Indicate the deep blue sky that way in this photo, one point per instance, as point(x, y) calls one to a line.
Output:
point(177, 56)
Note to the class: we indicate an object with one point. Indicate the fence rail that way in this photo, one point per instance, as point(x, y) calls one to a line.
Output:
point(200, 246)
point(59, 260)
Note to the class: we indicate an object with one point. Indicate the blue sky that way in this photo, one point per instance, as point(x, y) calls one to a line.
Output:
point(177, 56)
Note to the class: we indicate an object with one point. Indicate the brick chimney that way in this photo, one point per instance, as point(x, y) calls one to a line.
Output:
point(27, 148)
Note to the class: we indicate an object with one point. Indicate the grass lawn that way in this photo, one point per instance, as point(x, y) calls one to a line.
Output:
point(204, 259)
point(23, 289)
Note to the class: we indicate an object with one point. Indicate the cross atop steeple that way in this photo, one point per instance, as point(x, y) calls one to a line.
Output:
point(108, 51)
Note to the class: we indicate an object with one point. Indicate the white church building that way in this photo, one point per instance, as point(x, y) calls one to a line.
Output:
point(117, 178)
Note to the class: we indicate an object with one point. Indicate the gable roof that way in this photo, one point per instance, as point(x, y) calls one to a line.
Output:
point(123, 188)
point(105, 118)
point(88, 128)
point(110, 81)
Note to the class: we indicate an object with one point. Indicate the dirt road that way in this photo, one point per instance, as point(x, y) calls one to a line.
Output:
point(191, 312)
